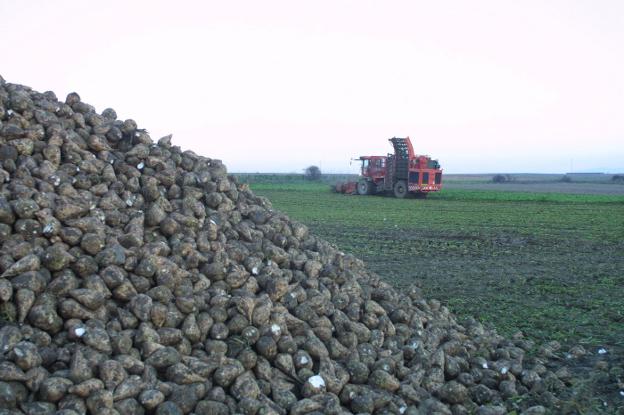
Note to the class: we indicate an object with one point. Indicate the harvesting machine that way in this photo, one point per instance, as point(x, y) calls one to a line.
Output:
point(400, 173)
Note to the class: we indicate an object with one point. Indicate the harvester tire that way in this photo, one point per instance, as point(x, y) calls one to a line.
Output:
point(364, 187)
point(400, 189)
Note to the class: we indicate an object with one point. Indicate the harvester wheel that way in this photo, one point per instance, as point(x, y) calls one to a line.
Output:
point(364, 187)
point(400, 189)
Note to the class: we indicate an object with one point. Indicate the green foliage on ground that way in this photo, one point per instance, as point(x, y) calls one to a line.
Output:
point(548, 264)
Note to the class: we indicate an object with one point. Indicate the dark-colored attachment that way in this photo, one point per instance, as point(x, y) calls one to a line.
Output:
point(402, 157)
point(388, 180)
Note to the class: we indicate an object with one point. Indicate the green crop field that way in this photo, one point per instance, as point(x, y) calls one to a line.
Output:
point(548, 264)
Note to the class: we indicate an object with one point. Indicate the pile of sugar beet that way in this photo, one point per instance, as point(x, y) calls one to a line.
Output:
point(138, 278)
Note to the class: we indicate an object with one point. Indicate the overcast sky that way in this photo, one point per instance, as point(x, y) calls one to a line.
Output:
point(274, 86)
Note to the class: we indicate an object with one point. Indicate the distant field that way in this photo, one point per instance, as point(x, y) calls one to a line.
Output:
point(533, 177)
point(591, 184)
point(598, 188)
point(549, 264)
point(598, 184)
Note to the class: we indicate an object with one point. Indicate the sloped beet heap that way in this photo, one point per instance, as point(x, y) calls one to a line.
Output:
point(139, 278)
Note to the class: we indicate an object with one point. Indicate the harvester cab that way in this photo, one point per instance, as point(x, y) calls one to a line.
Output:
point(373, 166)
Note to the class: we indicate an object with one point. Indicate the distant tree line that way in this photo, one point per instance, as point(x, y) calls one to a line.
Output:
point(313, 173)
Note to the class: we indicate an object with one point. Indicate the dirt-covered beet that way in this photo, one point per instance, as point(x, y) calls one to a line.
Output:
point(139, 278)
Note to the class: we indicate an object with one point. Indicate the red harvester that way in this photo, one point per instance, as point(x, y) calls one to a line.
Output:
point(400, 173)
